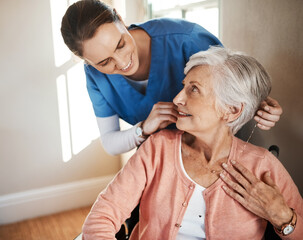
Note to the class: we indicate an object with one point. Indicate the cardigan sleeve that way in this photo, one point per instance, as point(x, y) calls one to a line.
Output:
point(290, 192)
point(121, 196)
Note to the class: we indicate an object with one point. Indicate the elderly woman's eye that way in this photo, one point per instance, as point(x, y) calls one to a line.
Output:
point(194, 88)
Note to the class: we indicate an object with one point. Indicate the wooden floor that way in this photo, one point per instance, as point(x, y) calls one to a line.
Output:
point(66, 225)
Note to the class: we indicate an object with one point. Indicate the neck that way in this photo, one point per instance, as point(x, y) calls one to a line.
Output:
point(212, 147)
point(143, 43)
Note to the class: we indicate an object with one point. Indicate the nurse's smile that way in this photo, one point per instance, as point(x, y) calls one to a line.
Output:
point(128, 67)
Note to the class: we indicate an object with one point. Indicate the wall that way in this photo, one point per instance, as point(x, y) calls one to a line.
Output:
point(30, 141)
point(271, 31)
point(31, 163)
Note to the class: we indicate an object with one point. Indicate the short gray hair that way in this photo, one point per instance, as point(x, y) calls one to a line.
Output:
point(238, 79)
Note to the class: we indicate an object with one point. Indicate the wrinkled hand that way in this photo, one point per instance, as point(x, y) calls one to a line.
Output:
point(263, 198)
point(268, 114)
point(161, 115)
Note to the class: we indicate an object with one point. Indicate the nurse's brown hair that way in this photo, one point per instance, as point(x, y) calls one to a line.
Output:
point(81, 21)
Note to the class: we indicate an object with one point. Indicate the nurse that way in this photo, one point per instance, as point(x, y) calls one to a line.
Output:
point(134, 72)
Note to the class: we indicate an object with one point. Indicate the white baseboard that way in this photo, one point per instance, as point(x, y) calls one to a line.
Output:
point(39, 202)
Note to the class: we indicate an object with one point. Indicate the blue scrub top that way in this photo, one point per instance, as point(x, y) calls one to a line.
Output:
point(173, 41)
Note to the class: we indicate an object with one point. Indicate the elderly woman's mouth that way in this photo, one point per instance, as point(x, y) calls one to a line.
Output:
point(182, 114)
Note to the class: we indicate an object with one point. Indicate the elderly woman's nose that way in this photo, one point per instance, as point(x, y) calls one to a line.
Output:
point(179, 99)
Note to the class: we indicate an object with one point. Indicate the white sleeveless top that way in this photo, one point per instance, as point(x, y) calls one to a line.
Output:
point(192, 226)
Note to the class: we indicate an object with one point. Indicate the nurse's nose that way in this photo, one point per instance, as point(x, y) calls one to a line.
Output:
point(121, 61)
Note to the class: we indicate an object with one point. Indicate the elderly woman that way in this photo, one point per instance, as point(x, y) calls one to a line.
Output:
point(201, 182)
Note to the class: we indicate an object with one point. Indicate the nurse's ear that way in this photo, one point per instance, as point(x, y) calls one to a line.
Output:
point(233, 113)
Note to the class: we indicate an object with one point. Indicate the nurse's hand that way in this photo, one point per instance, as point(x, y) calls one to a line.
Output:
point(268, 114)
point(161, 115)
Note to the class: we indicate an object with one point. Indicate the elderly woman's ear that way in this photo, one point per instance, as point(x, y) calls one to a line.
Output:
point(233, 113)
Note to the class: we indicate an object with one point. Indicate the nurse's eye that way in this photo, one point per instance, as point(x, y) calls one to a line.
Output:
point(105, 62)
point(121, 44)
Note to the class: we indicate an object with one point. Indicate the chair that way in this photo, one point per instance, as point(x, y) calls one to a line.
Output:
point(129, 224)
point(270, 233)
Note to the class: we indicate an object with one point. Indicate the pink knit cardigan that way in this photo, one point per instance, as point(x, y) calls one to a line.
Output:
point(153, 177)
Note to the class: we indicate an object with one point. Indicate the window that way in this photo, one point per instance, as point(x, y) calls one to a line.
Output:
point(78, 125)
point(205, 13)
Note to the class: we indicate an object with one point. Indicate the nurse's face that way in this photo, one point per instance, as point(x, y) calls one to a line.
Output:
point(112, 50)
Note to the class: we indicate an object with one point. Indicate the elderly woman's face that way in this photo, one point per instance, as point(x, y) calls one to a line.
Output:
point(196, 102)
point(112, 50)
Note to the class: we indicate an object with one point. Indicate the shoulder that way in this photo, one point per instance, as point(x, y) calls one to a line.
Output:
point(166, 134)
point(250, 149)
point(257, 159)
point(158, 149)
point(165, 26)
point(251, 156)
point(164, 140)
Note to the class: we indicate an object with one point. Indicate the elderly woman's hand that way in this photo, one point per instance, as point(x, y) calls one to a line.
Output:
point(268, 114)
point(262, 198)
